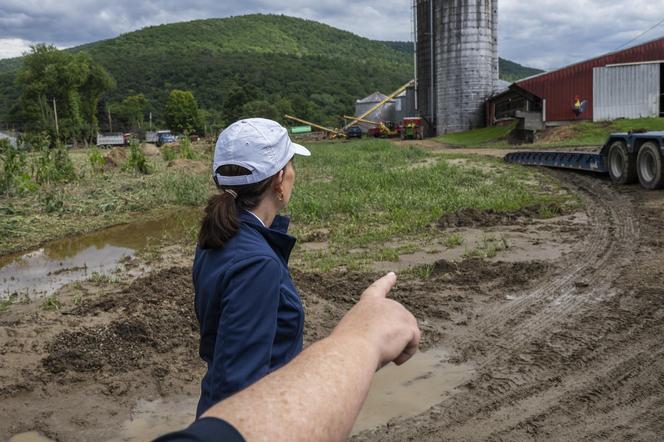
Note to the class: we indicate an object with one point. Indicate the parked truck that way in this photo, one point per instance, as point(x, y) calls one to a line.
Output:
point(112, 139)
point(626, 157)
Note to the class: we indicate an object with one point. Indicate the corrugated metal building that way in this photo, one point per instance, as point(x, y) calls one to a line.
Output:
point(626, 91)
point(558, 89)
point(384, 113)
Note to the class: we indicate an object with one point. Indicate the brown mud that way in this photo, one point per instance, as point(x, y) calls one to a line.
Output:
point(567, 348)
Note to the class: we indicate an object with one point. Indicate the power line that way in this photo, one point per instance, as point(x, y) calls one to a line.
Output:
point(641, 35)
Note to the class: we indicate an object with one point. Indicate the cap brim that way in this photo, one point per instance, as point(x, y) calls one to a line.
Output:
point(301, 150)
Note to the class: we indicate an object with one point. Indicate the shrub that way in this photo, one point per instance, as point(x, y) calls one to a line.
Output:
point(53, 165)
point(136, 161)
point(14, 175)
point(52, 201)
point(186, 152)
point(168, 153)
point(96, 160)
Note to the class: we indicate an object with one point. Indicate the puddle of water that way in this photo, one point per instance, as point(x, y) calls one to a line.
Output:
point(32, 436)
point(406, 391)
point(43, 271)
point(151, 419)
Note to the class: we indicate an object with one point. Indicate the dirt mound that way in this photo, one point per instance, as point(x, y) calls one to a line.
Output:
point(157, 317)
point(150, 150)
point(488, 218)
point(115, 158)
point(477, 271)
point(188, 166)
point(119, 345)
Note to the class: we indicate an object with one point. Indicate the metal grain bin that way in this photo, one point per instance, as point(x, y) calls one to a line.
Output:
point(384, 113)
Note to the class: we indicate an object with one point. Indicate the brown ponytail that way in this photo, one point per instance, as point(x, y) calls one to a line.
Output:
point(222, 214)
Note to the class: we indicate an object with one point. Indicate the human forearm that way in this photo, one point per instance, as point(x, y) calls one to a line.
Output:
point(318, 395)
point(337, 372)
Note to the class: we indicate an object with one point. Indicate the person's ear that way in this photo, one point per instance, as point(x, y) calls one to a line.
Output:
point(278, 182)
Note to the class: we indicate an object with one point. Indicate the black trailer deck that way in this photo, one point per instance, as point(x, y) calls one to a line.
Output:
point(626, 157)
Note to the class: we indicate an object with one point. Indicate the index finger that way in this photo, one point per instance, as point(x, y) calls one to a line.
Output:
point(381, 287)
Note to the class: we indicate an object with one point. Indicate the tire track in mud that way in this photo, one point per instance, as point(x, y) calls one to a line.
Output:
point(532, 333)
point(611, 241)
point(577, 358)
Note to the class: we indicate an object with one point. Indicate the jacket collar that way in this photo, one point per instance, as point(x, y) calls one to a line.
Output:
point(276, 235)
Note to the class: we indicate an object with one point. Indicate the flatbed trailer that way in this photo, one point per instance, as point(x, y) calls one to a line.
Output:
point(626, 157)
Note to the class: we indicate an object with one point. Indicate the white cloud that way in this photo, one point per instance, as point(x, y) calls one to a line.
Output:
point(13, 47)
point(541, 33)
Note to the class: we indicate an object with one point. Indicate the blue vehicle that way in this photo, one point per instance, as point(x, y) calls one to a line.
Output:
point(165, 138)
point(354, 132)
point(626, 157)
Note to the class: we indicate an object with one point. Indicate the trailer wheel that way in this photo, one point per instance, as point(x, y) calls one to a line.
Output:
point(649, 167)
point(622, 164)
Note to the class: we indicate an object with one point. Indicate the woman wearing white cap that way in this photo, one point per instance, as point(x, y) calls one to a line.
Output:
point(250, 314)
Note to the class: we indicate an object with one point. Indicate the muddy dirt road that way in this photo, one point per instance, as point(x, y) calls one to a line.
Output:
point(576, 357)
point(564, 346)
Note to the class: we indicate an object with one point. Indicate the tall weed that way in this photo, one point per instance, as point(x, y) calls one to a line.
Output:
point(184, 189)
point(186, 151)
point(96, 160)
point(53, 165)
point(136, 161)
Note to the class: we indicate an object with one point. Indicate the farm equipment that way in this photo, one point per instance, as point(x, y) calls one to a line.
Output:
point(354, 132)
point(412, 128)
point(356, 120)
point(626, 157)
point(332, 133)
point(381, 129)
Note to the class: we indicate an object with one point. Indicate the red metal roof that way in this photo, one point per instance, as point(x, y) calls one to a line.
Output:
point(560, 87)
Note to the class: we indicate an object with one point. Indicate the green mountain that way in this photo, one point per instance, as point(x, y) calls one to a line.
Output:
point(509, 70)
point(277, 63)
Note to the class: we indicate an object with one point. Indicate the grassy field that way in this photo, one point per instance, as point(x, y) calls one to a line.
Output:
point(476, 137)
point(366, 195)
point(366, 200)
point(94, 200)
point(584, 133)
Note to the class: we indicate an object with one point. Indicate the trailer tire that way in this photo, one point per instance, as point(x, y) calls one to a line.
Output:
point(621, 164)
point(649, 167)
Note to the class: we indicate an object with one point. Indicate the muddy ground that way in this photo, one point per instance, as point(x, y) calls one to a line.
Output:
point(566, 344)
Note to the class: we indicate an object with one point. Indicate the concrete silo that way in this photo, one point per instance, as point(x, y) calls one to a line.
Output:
point(456, 61)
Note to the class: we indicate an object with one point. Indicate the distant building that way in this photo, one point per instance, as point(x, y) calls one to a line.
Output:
point(383, 113)
point(625, 84)
point(6, 136)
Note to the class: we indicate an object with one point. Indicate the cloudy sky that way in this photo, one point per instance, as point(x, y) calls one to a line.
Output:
point(539, 33)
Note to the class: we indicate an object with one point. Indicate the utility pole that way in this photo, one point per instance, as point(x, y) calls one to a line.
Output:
point(110, 122)
point(55, 114)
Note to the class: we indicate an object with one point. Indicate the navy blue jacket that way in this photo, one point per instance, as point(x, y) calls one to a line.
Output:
point(250, 315)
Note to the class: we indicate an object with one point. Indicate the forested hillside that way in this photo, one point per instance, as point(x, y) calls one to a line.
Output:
point(234, 66)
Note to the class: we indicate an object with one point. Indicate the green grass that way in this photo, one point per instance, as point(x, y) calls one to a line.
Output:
point(364, 194)
point(453, 240)
point(476, 137)
point(51, 303)
point(589, 133)
point(584, 133)
point(95, 201)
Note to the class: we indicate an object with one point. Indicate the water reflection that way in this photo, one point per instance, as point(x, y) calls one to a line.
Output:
point(41, 272)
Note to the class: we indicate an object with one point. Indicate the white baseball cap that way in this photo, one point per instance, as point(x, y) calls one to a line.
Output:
point(261, 146)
